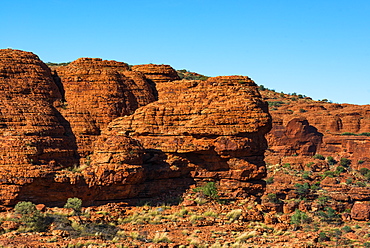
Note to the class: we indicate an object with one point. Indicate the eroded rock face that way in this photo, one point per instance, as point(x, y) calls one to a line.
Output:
point(34, 138)
point(327, 122)
point(157, 73)
point(97, 91)
point(206, 130)
point(361, 211)
point(162, 135)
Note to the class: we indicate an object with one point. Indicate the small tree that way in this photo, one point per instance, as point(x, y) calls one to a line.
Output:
point(319, 156)
point(302, 189)
point(31, 218)
point(299, 218)
point(345, 162)
point(75, 204)
point(331, 160)
point(209, 190)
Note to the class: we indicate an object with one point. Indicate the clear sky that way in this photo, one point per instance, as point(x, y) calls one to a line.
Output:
point(319, 48)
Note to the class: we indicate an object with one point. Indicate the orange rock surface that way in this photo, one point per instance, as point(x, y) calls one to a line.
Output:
point(326, 122)
point(95, 92)
point(157, 73)
point(35, 139)
point(196, 127)
point(162, 135)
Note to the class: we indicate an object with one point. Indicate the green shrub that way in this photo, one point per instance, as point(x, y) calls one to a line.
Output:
point(273, 198)
point(360, 184)
point(299, 218)
point(319, 156)
point(329, 215)
point(360, 161)
point(345, 162)
point(302, 189)
point(32, 220)
point(331, 160)
point(322, 200)
point(275, 104)
point(310, 164)
point(323, 236)
point(286, 165)
point(262, 88)
point(347, 229)
point(209, 190)
point(348, 133)
point(316, 185)
point(270, 180)
point(340, 169)
point(306, 175)
point(75, 204)
point(349, 181)
point(328, 174)
point(364, 171)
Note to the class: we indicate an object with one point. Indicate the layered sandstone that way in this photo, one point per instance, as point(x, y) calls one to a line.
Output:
point(34, 137)
point(97, 91)
point(157, 73)
point(337, 129)
point(206, 130)
point(162, 135)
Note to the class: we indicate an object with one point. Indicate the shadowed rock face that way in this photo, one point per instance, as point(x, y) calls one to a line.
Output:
point(96, 92)
point(207, 130)
point(127, 133)
point(303, 127)
point(35, 140)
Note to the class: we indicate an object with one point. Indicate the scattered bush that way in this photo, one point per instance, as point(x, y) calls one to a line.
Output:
point(364, 171)
point(234, 214)
point(270, 180)
point(360, 184)
point(340, 169)
point(323, 236)
point(349, 181)
point(287, 165)
point(347, 229)
point(161, 238)
point(299, 218)
point(329, 174)
point(345, 162)
point(329, 215)
point(208, 190)
point(302, 189)
point(331, 160)
point(32, 220)
point(275, 104)
point(319, 156)
point(75, 204)
point(306, 175)
point(273, 198)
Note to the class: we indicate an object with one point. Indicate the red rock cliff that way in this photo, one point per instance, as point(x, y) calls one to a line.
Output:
point(34, 138)
point(168, 134)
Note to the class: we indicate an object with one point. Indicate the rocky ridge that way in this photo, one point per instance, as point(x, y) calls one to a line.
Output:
point(127, 130)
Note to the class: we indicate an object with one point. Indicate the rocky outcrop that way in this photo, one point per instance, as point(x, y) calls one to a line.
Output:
point(99, 131)
point(35, 139)
point(196, 129)
point(335, 129)
point(361, 211)
point(97, 91)
point(157, 73)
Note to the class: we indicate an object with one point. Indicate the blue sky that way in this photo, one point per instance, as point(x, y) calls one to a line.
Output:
point(319, 48)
